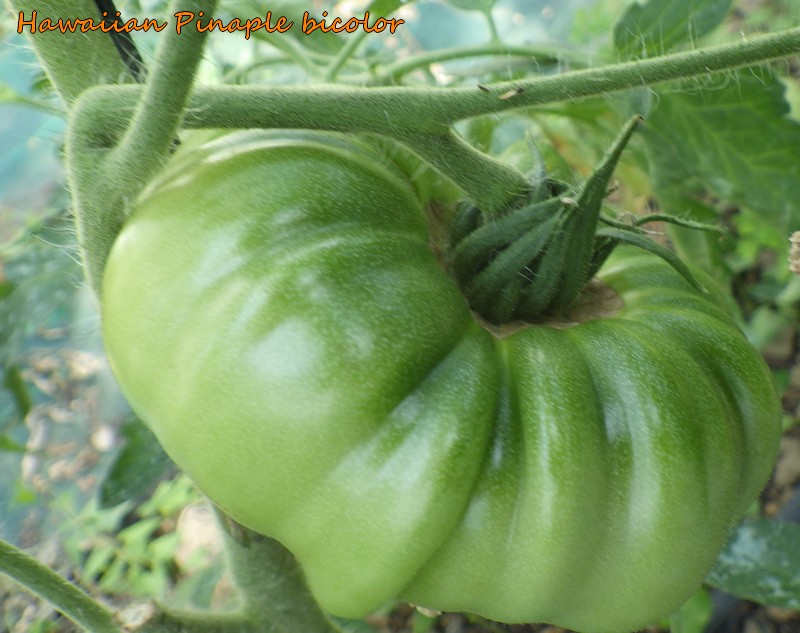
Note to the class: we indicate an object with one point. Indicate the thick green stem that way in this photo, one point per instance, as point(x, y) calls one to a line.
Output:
point(109, 166)
point(72, 61)
point(403, 111)
point(64, 596)
point(491, 184)
point(422, 116)
point(271, 583)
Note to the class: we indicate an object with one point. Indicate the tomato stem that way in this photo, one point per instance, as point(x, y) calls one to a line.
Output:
point(168, 621)
point(350, 47)
point(396, 110)
point(420, 117)
point(489, 182)
point(144, 147)
point(258, 563)
point(109, 166)
point(119, 135)
point(63, 595)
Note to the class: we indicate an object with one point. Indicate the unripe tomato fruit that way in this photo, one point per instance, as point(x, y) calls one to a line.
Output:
point(273, 310)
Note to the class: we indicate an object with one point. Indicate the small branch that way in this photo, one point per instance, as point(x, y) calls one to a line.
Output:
point(293, 50)
point(350, 46)
point(596, 81)
point(492, 25)
point(397, 70)
point(64, 596)
point(491, 184)
point(145, 145)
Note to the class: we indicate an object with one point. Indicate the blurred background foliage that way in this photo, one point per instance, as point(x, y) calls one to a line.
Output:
point(85, 485)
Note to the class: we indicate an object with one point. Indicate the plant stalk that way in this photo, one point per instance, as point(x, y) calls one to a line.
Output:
point(491, 184)
point(109, 166)
point(271, 583)
point(350, 46)
point(421, 116)
point(64, 596)
point(167, 621)
point(413, 110)
point(147, 140)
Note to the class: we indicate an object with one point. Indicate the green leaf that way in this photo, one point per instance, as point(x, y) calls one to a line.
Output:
point(6, 288)
point(731, 139)
point(19, 391)
point(7, 444)
point(97, 561)
point(761, 563)
point(655, 27)
point(137, 468)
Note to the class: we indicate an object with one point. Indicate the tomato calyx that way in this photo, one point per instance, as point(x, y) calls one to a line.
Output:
point(536, 258)
point(597, 301)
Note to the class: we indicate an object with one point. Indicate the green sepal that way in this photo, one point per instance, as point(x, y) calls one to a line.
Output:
point(603, 247)
point(663, 217)
point(635, 238)
point(509, 264)
point(548, 278)
point(678, 221)
point(538, 258)
point(583, 218)
point(467, 218)
point(475, 251)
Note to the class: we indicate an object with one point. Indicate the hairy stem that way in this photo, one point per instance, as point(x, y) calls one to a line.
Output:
point(271, 583)
point(145, 145)
point(109, 166)
point(64, 596)
point(403, 111)
point(491, 184)
point(419, 116)
point(73, 62)
point(422, 117)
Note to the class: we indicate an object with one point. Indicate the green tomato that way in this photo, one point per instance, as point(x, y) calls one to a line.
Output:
point(273, 310)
